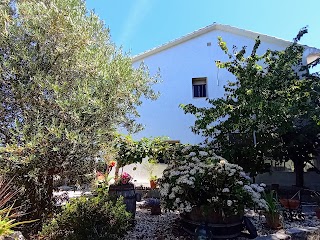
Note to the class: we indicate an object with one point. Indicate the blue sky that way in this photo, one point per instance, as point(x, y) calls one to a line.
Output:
point(139, 25)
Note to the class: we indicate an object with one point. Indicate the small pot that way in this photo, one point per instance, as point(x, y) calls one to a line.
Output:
point(318, 212)
point(138, 197)
point(153, 184)
point(155, 210)
point(273, 220)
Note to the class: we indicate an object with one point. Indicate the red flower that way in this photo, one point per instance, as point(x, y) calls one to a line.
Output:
point(112, 164)
point(124, 178)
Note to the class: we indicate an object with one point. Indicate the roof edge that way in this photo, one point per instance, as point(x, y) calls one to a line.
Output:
point(201, 31)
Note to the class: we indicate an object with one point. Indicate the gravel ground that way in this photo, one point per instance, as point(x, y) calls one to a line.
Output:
point(167, 227)
point(259, 222)
point(155, 227)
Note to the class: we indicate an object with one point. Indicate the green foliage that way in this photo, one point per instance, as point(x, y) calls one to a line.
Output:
point(5, 226)
point(8, 214)
point(130, 151)
point(8, 223)
point(6, 194)
point(272, 213)
point(272, 202)
point(89, 218)
point(153, 178)
point(64, 89)
point(271, 110)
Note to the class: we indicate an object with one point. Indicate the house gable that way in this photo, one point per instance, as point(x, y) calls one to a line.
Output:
point(210, 28)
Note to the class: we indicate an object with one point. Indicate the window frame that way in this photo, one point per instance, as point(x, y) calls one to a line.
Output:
point(200, 82)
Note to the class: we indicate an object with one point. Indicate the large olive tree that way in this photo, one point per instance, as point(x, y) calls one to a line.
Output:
point(64, 89)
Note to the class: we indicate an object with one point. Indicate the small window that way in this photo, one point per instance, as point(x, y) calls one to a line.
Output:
point(199, 87)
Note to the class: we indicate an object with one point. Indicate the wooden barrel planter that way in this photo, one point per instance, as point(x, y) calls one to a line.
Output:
point(129, 196)
point(220, 228)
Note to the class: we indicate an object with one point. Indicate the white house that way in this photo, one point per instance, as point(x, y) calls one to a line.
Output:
point(189, 74)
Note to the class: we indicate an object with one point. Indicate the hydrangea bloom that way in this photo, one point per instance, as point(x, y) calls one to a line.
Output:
point(225, 190)
point(201, 178)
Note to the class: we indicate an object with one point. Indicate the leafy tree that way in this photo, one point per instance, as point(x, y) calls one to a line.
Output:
point(271, 110)
point(128, 151)
point(64, 89)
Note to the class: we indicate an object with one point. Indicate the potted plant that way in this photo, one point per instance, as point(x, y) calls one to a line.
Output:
point(204, 187)
point(272, 212)
point(153, 181)
point(149, 166)
point(154, 205)
point(124, 187)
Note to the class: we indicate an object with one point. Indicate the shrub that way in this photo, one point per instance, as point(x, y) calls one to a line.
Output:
point(8, 213)
point(199, 178)
point(89, 218)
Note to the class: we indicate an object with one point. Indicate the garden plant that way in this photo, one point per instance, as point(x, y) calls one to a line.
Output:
point(199, 179)
point(64, 90)
point(269, 111)
point(93, 218)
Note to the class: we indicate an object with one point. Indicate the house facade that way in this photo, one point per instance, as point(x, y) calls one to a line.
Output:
point(189, 74)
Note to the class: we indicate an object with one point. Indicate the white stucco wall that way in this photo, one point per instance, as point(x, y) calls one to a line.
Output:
point(178, 65)
point(141, 173)
point(287, 179)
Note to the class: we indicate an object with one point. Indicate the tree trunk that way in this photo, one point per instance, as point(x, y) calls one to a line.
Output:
point(116, 173)
point(50, 190)
point(40, 193)
point(298, 169)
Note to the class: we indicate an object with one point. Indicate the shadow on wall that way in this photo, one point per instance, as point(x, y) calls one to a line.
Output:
point(287, 179)
point(141, 172)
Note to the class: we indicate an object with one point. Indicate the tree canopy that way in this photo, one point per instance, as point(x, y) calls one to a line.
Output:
point(64, 89)
point(271, 110)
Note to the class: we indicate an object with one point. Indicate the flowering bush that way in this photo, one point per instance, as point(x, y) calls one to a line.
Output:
point(125, 178)
point(201, 178)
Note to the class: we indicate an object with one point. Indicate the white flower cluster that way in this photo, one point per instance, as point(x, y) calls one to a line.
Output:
point(200, 177)
point(164, 190)
point(254, 190)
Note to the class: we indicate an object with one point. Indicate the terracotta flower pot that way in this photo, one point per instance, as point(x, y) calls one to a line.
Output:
point(155, 210)
point(153, 184)
point(318, 212)
point(273, 220)
point(290, 203)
